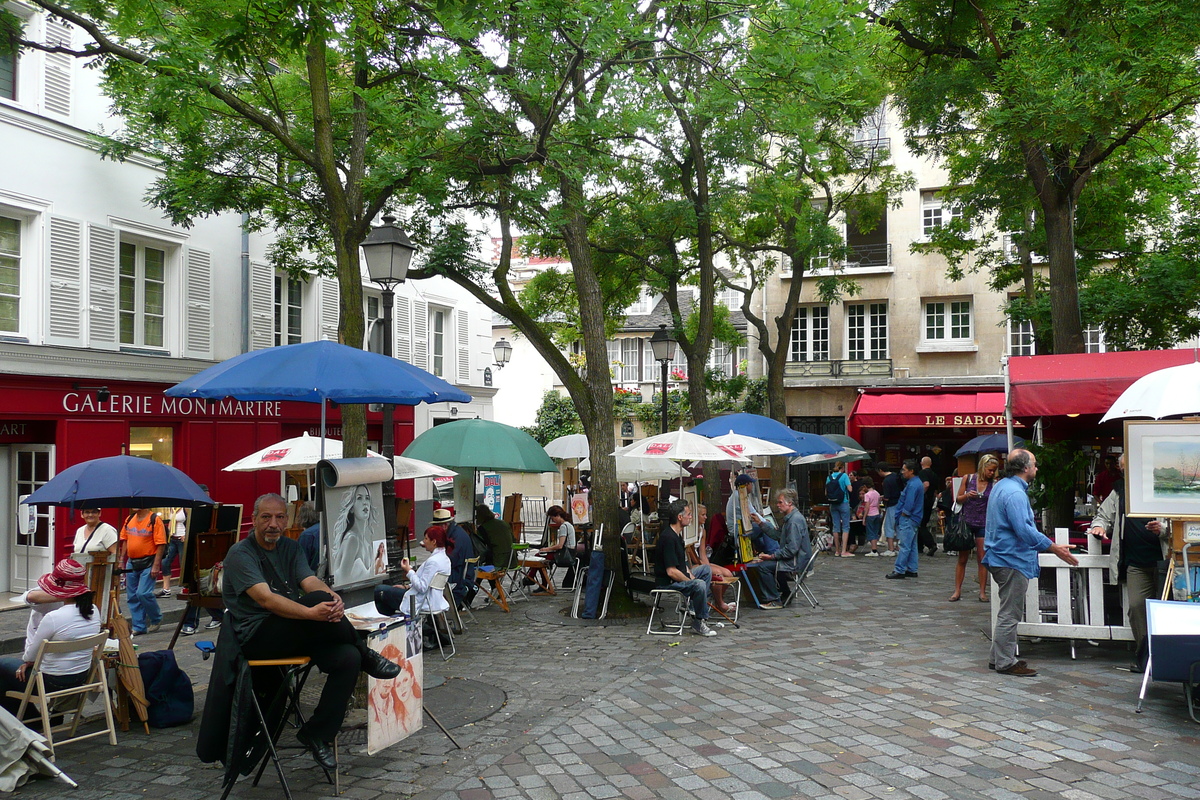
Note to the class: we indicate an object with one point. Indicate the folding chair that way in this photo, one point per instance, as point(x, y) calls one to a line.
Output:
point(469, 566)
point(801, 586)
point(437, 585)
point(294, 672)
point(682, 608)
point(48, 702)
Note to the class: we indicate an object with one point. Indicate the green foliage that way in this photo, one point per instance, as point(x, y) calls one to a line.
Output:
point(755, 400)
point(1060, 467)
point(556, 417)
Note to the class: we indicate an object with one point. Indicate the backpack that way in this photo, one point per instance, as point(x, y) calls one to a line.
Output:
point(481, 546)
point(835, 495)
point(168, 690)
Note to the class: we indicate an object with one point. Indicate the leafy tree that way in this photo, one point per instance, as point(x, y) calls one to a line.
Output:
point(307, 121)
point(556, 417)
point(1028, 103)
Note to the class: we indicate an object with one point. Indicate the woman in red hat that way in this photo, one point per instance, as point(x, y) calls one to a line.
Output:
point(62, 610)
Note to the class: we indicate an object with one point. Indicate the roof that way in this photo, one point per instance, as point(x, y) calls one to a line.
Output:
point(1082, 383)
point(661, 315)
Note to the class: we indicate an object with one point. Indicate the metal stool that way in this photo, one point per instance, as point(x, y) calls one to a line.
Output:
point(682, 608)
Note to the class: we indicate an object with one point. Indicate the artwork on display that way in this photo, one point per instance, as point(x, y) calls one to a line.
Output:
point(352, 527)
point(491, 492)
point(395, 707)
point(1163, 475)
point(581, 510)
point(381, 556)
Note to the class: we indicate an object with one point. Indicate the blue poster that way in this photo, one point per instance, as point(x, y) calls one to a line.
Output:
point(491, 492)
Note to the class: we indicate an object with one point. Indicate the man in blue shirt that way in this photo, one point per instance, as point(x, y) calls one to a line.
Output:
point(1011, 544)
point(908, 517)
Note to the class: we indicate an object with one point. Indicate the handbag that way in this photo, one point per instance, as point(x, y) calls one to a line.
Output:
point(960, 537)
point(563, 557)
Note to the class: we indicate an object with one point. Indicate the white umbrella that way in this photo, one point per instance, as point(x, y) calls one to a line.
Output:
point(640, 470)
point(300, 452)
point(750, 446)
point(1170, 392)
point(573, 445)
point(410, 468)
point(679, 445)
point(846, 454)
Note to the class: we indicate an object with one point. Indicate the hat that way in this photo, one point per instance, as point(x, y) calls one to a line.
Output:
point(65, 581)
point(441, 515)
point(743, 480)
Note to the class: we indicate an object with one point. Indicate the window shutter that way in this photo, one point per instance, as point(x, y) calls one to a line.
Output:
point(463, 342)
point(330, 313)
point(403, 323)
point(197, 304)
point(57, 85)
point(420, 335)
point(262, 306)
point(102, 288)
point(65, 291)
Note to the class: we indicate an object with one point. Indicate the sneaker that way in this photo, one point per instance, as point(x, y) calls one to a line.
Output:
point(188, 630)
point(155, 628)
point(889, 553)
point(772, 606)
point(1018, 669)
point(213, 624)
point(872, 554)
point(700, 628)
point(163, 593)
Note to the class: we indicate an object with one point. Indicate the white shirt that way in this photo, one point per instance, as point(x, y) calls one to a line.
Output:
point(419, 595)
point(63, 624)
point(104, 537)
point(180, 524)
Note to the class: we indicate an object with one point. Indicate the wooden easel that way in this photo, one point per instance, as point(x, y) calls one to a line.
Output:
point(212, 530)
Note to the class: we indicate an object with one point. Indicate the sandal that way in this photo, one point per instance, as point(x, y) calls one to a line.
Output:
point(983, 598)
point(954, 599)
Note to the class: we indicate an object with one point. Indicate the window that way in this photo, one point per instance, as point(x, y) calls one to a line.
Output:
point(730, 298)
point(727, 360)
point(866, 331)
point(1093, 339)
point(644, 305)
point(439, 332)
point(289, 311)
point(8, 76)
point(156, 444)
point(142, 295)
point(810, 334)
point(10, 275)
point(936, 212)
point(947, 321)
point(1020, 337)
point(867, 239)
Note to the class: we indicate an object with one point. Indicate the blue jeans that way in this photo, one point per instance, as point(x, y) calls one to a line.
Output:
point(906, 560)
point(174, 550)
point(769, 580)
point(874, 526)
point(191, 617)
point(139, 592)
point(9, 683)
point(696, 590)
point(840, 516)
point(889, 522)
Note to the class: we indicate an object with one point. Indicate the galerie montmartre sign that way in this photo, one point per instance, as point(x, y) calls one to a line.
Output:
point(158, 405)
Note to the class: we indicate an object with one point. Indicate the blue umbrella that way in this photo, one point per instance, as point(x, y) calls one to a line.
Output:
point(313, 372)
point(989, 443)
point(760, 427)
point(119, 482)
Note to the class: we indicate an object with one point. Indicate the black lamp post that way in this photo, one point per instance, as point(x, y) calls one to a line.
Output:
point(663, 348)
point(388, 252)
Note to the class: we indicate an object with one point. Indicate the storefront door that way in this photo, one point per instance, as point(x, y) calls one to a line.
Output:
point(30, 553)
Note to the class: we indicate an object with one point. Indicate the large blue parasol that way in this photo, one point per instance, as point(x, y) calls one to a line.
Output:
point(988, 443)
point(119, 482)
point(760, 427)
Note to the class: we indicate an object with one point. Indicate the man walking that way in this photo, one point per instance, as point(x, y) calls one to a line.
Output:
point(1011, 543)
point(143, 544)
point(933, 485)
point(671, 566)
point(908, 517)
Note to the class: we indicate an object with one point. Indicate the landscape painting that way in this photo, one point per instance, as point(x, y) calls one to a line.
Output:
point(1164, 469)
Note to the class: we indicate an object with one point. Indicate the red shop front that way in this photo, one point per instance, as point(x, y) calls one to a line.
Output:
point(49, 424)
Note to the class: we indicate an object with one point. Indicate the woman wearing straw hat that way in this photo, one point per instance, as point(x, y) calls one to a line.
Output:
point(62, 610)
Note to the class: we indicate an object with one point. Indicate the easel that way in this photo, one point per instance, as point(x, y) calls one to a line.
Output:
point(219, 525)
point(745, 548)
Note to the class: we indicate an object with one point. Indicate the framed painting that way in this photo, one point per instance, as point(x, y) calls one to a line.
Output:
point(1162, 478)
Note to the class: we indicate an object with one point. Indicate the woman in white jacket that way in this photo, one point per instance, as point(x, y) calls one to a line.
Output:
point(388, 599)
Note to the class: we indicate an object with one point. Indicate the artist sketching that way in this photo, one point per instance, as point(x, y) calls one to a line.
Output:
point(352, 537)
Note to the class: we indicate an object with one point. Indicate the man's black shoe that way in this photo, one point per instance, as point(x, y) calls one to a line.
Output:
point(910, 574)
point(379, 667)
point(933, 551)
point(321, 752)
point(895, 576)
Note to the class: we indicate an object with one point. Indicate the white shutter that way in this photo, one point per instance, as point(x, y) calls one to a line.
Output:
point(262, 306)
point(197, 304)
point(403, 323)
point(420, 335)
point(462, 340)
point(64, 292)
point(57, 85)
point(330, 312)
point(102, 286)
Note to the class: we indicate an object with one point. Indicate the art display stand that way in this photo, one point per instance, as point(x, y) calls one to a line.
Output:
point(211, 531)
point(1173, 630)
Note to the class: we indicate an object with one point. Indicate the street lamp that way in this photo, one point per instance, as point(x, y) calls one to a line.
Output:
point(502, 352)
point(663, 348)
point(388, 252)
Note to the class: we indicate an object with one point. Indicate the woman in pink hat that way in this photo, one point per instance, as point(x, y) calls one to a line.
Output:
point(61, 609)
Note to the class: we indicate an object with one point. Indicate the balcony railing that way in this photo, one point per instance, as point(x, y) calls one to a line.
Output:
point(862, 255)
point(876, 368)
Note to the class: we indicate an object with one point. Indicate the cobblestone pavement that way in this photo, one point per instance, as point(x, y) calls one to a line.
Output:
point(883, 692)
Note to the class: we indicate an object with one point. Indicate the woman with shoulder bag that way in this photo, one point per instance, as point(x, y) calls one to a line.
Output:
point(973, 497)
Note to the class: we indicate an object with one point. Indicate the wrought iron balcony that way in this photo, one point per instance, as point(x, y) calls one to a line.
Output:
point(862, 255)
point(869, 368)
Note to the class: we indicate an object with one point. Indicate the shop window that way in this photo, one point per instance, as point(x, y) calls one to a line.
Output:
point(10, 275)
point(289, 310)
point(439, 339)
point(947, 325)
point(156, 444)
point(810, 334)
point(936, 211)
point(1020, 337)
point(142, 287)
point(866, 331)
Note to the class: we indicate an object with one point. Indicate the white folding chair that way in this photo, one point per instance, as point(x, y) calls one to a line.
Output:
point(437, 585)
point(49, 702)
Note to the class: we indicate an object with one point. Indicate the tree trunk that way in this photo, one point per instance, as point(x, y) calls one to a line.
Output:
point(1059, 221)
point(350, 332)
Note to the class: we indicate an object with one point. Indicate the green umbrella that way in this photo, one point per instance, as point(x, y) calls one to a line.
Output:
point(481, 444)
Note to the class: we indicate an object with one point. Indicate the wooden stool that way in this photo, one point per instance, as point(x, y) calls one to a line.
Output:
point(539, 572)
point(496, 578)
